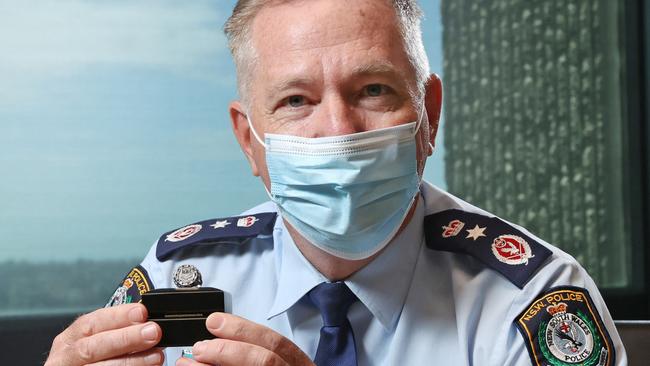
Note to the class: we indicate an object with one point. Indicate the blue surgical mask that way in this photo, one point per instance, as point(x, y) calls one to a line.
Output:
point(348, 195)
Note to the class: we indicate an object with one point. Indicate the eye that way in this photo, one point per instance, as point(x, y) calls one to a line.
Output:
point(296, 101)
point(374, 90)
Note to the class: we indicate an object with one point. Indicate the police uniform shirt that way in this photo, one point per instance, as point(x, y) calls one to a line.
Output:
point(418, 303)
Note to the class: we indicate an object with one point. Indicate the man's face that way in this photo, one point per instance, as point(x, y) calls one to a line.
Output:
point(327, 68)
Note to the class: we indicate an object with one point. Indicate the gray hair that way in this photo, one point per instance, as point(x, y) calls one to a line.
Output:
point(238, 29)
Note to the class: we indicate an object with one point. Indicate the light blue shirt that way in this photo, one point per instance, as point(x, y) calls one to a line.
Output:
point(417, 306)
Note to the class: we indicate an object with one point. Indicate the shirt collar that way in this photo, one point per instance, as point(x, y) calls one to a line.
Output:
point(296, 276)
point(381, 286)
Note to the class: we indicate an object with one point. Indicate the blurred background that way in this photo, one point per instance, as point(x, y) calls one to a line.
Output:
point(114, 129)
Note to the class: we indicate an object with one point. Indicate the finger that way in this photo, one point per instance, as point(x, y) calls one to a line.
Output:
point(184, 361)
point(232, 327)
point(107, 319)
point(154, 357)
point(226, 352)
point(115, 343)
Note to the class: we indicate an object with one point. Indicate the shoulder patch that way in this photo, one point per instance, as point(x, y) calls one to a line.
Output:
point(488, 239)
point(563, 328)
point(135, 284)
point(224, 230)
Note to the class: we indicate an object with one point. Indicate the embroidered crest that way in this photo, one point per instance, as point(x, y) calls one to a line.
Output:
point(452, 228)
point(511, 249)
point(247, 221)
point(135, 284)
point(562, 328)
point(183, 233)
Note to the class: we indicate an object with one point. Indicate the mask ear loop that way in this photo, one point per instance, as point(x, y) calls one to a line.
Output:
point(419, 123)
point(421, 115)
point(257, 137)
point(423, 112)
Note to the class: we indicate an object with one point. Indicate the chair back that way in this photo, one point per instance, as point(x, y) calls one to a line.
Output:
point(636, 339)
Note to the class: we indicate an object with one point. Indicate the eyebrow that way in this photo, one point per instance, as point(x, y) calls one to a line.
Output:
point(383, 68)
point(377, 68)
point(290, 83)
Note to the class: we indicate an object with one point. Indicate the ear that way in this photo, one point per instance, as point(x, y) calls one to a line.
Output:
point(242, 131)
point(433, 104)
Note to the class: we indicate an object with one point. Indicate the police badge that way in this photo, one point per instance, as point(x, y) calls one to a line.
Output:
point(562, 328)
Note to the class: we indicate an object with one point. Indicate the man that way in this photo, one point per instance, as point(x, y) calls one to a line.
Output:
point(356, 261)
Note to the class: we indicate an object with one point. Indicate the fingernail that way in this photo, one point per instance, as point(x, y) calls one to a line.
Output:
point(215, 321)
point(198, 348)
point(153, 359)
point(136, 315)
point(150, 332)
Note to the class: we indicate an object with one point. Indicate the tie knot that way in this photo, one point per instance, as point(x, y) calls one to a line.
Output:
point(333, 299)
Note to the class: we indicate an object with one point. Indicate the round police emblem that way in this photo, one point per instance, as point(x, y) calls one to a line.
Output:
point(183, 233)
point(567, 336)
point(121, 295)
point(118, 298)
point(187, 276)
point(511, 249)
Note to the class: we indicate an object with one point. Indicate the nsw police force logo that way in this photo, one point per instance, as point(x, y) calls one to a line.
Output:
point(567, 336)
point(563, 329)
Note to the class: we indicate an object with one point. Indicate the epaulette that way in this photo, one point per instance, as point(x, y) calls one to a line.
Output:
point(224, 230)
point(492, 241)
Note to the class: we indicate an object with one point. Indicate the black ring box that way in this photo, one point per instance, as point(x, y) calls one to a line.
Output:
point(181, 313)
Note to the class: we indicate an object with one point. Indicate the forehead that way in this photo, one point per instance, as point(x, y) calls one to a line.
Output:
point(298, 35)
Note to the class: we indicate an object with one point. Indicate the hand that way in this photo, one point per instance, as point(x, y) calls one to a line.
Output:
point(243, 343)
point(114, 336)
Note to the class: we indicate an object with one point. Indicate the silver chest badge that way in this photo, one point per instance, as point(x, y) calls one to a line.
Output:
point(187, 276)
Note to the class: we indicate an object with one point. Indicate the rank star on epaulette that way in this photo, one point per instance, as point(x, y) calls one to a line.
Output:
point(562, 328)
point(475, 233)
point(220, 224)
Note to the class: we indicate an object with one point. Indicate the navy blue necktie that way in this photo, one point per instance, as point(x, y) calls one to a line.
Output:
point(336, 345)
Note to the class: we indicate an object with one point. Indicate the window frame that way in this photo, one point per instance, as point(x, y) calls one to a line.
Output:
point(634, 302)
